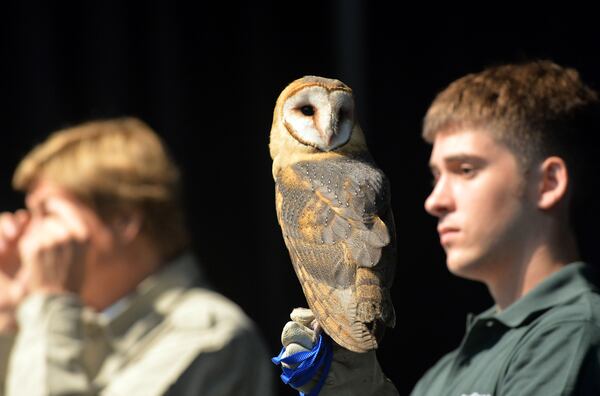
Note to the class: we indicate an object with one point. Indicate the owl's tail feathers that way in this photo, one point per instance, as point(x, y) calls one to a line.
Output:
point(357, 327)
point(370, 311)
point(355, 337)
point(342, 322)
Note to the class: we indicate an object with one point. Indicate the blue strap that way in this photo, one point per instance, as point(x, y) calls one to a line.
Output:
point(308, 364)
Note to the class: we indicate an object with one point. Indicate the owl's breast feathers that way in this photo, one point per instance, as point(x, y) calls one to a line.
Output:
point(337, 224)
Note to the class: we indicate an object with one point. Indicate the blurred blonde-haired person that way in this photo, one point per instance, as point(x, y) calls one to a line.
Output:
point(99, 292)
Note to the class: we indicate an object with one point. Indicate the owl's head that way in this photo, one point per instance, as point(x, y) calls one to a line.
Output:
point(315, 114)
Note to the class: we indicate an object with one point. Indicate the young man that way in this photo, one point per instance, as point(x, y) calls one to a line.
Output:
point(509, 166)
point(97, 286)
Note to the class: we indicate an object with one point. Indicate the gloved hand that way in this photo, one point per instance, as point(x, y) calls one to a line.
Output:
point(350, 374)
point(300, 335)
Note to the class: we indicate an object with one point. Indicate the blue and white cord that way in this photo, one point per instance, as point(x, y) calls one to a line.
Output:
point(308, 365)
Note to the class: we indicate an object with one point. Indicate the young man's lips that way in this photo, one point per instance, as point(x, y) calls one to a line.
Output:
point(446, 234)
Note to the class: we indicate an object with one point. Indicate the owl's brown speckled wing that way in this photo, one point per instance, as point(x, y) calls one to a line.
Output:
point(337, 225)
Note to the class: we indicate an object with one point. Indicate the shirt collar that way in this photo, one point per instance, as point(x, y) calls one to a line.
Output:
point(154, 295)
point(569, 282)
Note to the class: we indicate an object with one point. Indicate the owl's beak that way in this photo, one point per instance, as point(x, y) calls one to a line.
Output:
point(332, 131)
point(328, 136)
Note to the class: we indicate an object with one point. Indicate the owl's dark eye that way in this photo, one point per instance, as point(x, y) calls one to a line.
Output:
point(307, 110)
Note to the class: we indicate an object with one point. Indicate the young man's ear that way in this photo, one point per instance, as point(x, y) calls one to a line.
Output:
point(554, 180)
point(127, 227)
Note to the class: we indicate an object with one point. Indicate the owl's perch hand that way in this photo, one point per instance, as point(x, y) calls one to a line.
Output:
point(350, 374)
point(300, 334)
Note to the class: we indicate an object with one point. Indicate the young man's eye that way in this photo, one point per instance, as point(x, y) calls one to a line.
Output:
point(467, 170)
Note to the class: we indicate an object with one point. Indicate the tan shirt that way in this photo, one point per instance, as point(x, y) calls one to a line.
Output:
point(171, 336)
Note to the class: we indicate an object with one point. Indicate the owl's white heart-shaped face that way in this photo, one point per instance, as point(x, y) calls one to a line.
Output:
point(320, 117)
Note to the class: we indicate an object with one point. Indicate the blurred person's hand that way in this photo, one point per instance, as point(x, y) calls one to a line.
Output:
point(350, 373)
point(12, 289)
point(53, 251)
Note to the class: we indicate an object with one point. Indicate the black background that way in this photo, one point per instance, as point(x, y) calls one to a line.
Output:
point(206, 77)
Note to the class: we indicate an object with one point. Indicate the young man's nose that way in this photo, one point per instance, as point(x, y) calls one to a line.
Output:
point(439, 200)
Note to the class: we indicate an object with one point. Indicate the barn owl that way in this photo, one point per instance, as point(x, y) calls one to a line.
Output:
point(333, 206)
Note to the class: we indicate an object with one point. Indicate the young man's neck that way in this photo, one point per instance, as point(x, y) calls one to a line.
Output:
point(527, 272)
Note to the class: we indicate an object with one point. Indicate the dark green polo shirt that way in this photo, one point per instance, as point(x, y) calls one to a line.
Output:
point(546, 343)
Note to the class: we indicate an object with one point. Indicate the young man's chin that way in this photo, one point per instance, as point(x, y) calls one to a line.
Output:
point(463, 267)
